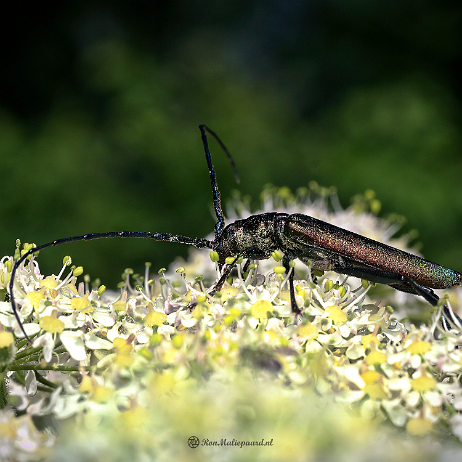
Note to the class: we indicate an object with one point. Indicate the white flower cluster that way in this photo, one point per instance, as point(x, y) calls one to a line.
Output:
point(94, 356)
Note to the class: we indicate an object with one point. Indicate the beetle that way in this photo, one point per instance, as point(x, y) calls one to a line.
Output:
point(297, 236)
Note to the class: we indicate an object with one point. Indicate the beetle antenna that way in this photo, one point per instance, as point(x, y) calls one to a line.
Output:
point(230, 157)
point(220, 224)
point(198, 243)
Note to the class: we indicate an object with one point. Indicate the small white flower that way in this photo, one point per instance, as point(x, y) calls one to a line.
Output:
point(74, 343)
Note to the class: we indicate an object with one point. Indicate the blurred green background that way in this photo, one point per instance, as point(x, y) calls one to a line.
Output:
point(100, 103)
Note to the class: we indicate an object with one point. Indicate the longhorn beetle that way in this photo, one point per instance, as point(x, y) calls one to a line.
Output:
point(328, 247)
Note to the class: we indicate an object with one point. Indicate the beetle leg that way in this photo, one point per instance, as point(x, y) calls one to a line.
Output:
point(449, 317)
point(295, 309)
point(226, 272)
point(405, 284)
point(218, 285)
point(246, 266)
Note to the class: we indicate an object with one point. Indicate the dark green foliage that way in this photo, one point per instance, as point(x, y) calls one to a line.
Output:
point(100, 132)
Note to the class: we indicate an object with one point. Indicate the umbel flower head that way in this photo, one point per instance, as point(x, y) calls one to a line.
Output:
point(149, 371)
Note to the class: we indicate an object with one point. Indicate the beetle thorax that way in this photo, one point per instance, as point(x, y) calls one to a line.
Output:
point(255, 237)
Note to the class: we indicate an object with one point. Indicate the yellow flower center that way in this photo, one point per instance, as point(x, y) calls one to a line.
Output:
point(51, 323)
point(260, 308)
point(309, 331)
point(419, 347)
point(336, 314)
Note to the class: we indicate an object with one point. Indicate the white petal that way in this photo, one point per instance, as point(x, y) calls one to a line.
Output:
point(46, 340)
point(31, 383)
point(68, 405)
point(352, 374)
point(434, 398)
point(94, 342)
point(30, 328)
point(456, 422)
point(73, 341)
point(105, 316)
point(395, 411)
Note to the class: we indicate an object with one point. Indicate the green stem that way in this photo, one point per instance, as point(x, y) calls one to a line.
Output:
point(34, 356)
point(3, 392)
point(37, 367)
point(45, 389)
point(23, 342)
point(27, 352)
point(44, 381)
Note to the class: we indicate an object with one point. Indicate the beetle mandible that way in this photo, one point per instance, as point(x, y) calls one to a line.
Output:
point(297, 236)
